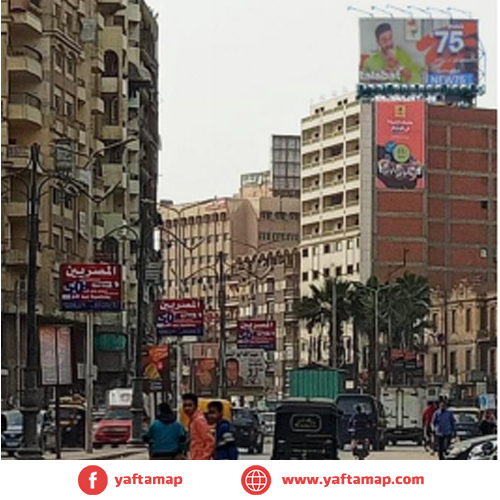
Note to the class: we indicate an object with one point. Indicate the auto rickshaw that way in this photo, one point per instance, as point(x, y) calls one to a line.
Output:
point(227, 410)
point(306, 429)
point(72, 425)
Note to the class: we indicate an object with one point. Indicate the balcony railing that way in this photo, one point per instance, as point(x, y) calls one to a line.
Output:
point(14, 151)
point(25, 98)
point(26, 51)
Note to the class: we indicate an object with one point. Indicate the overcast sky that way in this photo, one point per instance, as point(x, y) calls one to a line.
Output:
point(233, 72)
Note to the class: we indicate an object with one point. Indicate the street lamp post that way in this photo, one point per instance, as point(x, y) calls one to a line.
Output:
point(222, 327)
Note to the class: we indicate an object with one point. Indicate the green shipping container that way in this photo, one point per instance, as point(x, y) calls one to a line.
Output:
point(316, 382)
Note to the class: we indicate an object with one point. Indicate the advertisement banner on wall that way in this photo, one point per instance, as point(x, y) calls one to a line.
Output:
point(246, 368)
point(257, 334)
point(91, 287)
point(205, 377)
point(156, 367)
point(180, 317)
point(419, 51)
point(55, 355)
point(400, 145)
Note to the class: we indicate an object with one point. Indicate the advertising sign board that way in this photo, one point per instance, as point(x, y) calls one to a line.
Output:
point(246, 368)
point(180, 317)
point(55, 355)
point(257, 334)
point(91, 287)
point(419, 51)
point(400, 145)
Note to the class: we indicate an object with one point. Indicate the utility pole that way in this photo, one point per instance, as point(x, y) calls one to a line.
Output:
point(222, 327)
point(376, 362)
point(30, 404)
point(137, 383)
point(333, 341)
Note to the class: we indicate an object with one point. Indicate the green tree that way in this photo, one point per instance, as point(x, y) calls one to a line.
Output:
point(316, 310)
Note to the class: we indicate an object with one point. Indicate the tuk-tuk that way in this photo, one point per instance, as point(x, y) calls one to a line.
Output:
point(72, 425)
point(227, 409)
point(306, 429)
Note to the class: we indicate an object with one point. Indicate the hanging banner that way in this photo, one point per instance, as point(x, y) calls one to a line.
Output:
point(55, 355)
point(91, 287)
point(156, 367)
point(400, 145)
point(419, 51)
point(180, 317)
point(257, 334)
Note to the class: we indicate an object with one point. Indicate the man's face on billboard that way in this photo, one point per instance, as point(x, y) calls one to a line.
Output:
point(232, 370)
point(386, 41)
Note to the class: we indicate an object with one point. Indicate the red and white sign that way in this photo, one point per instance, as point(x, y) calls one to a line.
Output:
point(257, 334)
point(180, 317)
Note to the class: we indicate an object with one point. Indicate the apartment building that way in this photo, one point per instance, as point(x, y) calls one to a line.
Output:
point(353, 228)
point(66, 77)
point(461, 345)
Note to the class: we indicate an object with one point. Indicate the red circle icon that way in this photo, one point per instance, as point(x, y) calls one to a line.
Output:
point(92, 480)
point(256, 480)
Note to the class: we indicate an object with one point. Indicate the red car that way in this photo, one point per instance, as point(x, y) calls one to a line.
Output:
point(115, 428)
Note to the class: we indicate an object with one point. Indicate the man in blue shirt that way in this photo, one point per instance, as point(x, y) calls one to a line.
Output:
point(166, 436)
point(443, 423)
point(225, 440)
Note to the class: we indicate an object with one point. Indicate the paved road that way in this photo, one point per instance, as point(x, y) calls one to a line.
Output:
point(400, 452)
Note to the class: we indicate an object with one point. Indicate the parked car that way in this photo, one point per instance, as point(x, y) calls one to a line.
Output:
point(484, 451)
point(12, 437)
point(347, 404)
point(115, 428)
point(461, 449)
point(248, 430)
point(268, 422)
point(467, 421)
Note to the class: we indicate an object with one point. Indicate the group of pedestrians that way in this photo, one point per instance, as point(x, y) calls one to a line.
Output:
point(168, 439)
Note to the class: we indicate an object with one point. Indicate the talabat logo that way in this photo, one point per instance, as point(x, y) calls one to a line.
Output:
point(92, 480)
point(256, 480)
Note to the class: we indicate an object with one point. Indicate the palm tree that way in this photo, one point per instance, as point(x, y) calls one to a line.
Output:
point(316, 309)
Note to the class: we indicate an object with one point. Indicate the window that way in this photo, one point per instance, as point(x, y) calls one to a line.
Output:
point(357, 242)
point(305, 276)
point(350, 269)
point(68, 243)
point(71, 68)
point(434, 363)
point(58, 102)
point(493, 320)
point(453, 362)
point(493, 362)
point(58, 15)
point(56, 241)
point(70, 107)
point(435, 324)
point(315, 275)
point(111, 110)
point(468, 360)
point(69, 23)
point(305, 252)
point(59, 61)
point(68, 202)
point(55, 286)
point(326, 272)
point(338, 271)
point(110, 63)
point(483, 253)
point(338, 246)
point(56, 196)
point(468, 313)
point(326, 249)
point(314, 251)
point(453, 321)
point(357, 267)
point(350, 244)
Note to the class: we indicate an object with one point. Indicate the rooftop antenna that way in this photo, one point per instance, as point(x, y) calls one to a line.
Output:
point(399, 9)
point(446, 13)
point(374, 7)
point(359, 10)
point(452, 9)
point(420, 10)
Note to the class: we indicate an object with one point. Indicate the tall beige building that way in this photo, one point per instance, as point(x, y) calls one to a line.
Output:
point(66, 75)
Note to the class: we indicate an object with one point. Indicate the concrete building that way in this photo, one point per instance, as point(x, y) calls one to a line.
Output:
point(461, 345)
point(352, 229)
point(285, 165)
point(65, 75)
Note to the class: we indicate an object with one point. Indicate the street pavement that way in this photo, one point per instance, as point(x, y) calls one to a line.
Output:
point(400, 452)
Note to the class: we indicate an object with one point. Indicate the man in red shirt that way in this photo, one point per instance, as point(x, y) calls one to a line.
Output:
point(201, 438)
point(427, 423)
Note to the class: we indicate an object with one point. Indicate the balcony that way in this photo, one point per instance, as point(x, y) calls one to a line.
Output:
point(113, 133)
point(332, 159)
point(25, 64)
point(15, 156)
point(110, 7)
point(97, 60)
point(81, 91)
point(112, 173)
point(26, 17)
point(15, 257)
point(97, 105)
point(109, 85)
point(14, 209)
point(25, 110)
point(82, 135)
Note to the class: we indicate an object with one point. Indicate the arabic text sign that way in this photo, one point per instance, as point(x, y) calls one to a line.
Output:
point(91, 287)
point(55, 355)
point(257, 334)
point(419, 51)
point(180, 317)
point(400, 145)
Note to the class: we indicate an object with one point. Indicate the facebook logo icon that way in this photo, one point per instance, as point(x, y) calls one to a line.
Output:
point(92, 480)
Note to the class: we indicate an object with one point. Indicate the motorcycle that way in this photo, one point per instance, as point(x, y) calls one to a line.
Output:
point(361, 448)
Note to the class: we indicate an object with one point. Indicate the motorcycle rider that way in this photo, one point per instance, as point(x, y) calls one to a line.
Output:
point(359, 425)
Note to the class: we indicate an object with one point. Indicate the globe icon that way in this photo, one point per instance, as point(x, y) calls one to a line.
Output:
point(256, 481)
